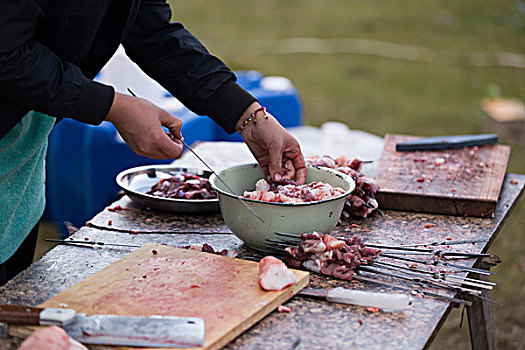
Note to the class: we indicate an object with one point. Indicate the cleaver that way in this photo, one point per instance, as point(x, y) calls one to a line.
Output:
point(152, 331)
point(446, 142)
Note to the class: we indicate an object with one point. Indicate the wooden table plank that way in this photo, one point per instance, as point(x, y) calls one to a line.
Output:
point(338, 324)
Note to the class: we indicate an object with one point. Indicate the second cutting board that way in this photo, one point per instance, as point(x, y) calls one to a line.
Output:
point(163, 280)
point(464, 181)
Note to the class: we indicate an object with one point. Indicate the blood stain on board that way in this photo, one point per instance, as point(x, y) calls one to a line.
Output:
point(191, 287)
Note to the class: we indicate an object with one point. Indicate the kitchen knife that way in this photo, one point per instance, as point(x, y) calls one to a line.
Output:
point(385, 301)
point(152, 331)
point(446, 142)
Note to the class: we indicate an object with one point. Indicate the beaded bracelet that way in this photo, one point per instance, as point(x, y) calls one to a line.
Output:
point(253, 117)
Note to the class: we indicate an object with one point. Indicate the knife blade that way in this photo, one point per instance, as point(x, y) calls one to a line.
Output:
point(446, 142)
point(232, 192)
point(385, 301)
point(152, 331)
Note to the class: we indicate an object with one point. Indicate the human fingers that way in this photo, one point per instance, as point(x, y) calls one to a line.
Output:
point(171, 122)
point(300, 170)
point(275, 161)
point(171, 148)
point(288, 169)
point(298, 163)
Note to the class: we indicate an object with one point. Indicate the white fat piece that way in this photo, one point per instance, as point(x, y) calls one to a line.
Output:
point(317, 248)
point(373, 203)
point(262, 185)
point(312, 266)
point(276, 277)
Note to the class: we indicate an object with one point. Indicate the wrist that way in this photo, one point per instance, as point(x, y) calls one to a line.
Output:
point(120, 101)
point(258, 113)
point(246, 114)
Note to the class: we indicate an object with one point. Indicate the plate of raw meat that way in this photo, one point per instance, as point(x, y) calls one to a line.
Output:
point(168, 188)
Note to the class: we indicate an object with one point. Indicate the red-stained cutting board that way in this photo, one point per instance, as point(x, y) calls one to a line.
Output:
point(465, 181)
point(178, 282)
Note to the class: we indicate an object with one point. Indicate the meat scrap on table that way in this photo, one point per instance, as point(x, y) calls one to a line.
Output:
point(361, 202)
point(290, 192)
point(330, 256)
point(206, 248)
point(183, 186)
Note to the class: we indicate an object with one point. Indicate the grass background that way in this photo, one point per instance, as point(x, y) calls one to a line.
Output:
point(381, 94)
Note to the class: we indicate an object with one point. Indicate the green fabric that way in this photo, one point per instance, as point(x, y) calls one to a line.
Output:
point(22, 177)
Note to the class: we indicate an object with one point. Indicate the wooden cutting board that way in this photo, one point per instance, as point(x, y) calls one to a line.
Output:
point(465, 181)
point(178, 282)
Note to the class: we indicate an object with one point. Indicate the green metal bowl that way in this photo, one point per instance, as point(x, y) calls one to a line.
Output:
point(295, 218)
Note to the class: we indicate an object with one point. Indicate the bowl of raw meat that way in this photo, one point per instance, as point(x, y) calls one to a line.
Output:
point(287, 207)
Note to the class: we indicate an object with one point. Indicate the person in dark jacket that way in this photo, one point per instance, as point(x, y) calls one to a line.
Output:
point(50, 51)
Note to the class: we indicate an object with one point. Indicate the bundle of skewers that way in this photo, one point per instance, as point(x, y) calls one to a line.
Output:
point(427, 270)
point(420, 269)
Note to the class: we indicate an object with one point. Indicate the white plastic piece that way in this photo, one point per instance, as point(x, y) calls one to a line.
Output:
point(122, 73)
point(387, 302)
point(276, 83)
point(171, 104)
point(52, 316)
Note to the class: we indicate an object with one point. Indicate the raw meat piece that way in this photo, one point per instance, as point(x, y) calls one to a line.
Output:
point(206, 248)
point(361, 201)
point(184, 186)
point(262, 185)
point(282, 308)
point(50, 338)
point(274, 275)
point(291, 192)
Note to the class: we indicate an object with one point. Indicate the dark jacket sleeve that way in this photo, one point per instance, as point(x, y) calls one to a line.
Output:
point(32, 76)
point(170, 54)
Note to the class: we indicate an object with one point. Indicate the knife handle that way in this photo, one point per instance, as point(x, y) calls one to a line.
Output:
point(14, 314)
point(385, 301)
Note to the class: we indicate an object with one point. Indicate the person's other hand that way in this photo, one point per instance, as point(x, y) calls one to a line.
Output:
point(276, 150)
point(140, 122)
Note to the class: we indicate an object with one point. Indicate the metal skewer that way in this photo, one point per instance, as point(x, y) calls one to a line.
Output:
point(461, 268)
point(434, 275)
point(464, 241)
point(207, 166)
point(73, 242)
point(422, 281)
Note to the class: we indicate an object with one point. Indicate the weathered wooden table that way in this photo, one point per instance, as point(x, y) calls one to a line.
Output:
point(312, 324)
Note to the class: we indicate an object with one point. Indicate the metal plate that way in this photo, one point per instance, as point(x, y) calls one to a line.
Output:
point(137, 181)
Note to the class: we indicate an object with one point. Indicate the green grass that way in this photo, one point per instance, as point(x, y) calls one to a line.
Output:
point(383, 95)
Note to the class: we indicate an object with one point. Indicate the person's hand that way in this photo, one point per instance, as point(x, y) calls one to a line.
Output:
point(276, 150)
point(140, 122)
